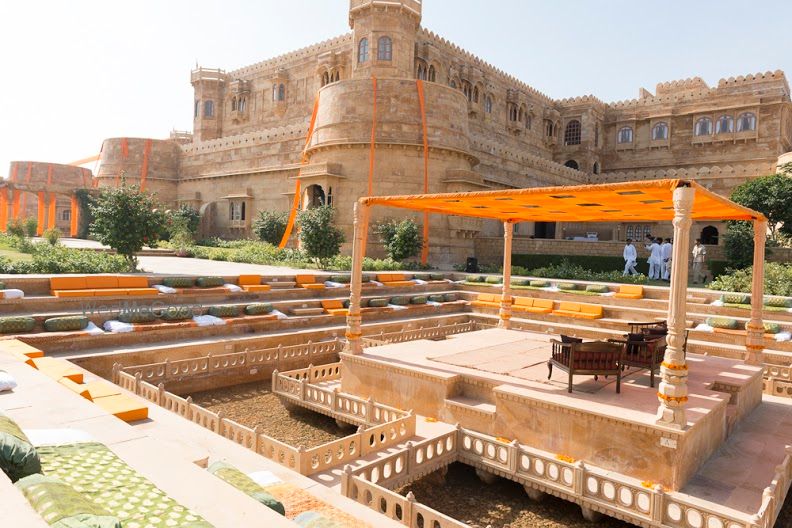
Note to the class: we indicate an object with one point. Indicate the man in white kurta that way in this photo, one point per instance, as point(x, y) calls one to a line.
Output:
point(666, 250)
point(655, 259)
point(630, 258)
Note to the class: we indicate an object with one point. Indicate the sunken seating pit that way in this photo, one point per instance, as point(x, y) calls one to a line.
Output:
point(252, 283)
point(597, 358)
point(100, 286)
point(531, 305)
point(630, 291)
point(579, 310)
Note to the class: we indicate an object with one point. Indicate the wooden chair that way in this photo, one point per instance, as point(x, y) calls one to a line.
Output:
point(597, 358)
point(643, 351)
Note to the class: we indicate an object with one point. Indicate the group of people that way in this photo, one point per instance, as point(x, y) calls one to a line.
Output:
point(660, 252)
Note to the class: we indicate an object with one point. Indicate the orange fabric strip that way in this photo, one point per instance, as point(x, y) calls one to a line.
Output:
point(15, 204)
point(373, 136)
point(3, 209)
point(297, 186)
point(124, 148)
point(52, 201)
point(42, 212)
point(422, 104)
point(144, 169)
point(75, 211)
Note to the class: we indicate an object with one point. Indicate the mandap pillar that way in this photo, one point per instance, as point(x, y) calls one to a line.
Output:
point(354, 319)
point(754, 340)
point(673, 390)
point(506, 297)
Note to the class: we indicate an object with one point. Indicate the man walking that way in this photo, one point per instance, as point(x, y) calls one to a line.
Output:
point(699, 258)
point(666, 250)
point(630, 258)
point(655, 259)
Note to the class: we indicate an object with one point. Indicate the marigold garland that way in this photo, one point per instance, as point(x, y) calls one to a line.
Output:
point(671, 366)
point(502, 440)
point(565, 458)
point(648, 484)
point(679, 399)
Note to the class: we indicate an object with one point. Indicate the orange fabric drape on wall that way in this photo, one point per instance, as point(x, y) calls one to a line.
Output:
point(4, 209)
point(124, 156)
point(372, 151)
point(297, 186)
point(422, 104)
point(144, 169)
point(52, 202)
point(42, 212)
point(15, 204)
point(75, 212)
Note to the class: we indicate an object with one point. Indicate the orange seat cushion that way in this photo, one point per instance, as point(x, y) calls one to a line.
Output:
point(100, 389)
point(142, 291)
point(337, 311)
point(312, 286)
point(68, 283)
point(98, 282)
point(629, 295)
point(72, 293)
point(523, 301)
point(543, 303)
point(256, 287)
point(79, 388)
point(487, 297)
point(591, 311)
point(57, 368)
point(569, 307)
point(127, 281)
point(123, 407)
point(305, 279)
point(109, 292)
point(249, 280)
point(399, 283)
point(632, 289)
point(332, 304)
point(20, 349)
point(392, 277)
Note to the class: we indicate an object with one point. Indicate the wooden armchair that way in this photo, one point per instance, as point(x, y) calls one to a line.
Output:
point(644, 351)
point(597, 358)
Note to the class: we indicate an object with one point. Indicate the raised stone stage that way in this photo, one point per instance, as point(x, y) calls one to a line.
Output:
point(495, 381)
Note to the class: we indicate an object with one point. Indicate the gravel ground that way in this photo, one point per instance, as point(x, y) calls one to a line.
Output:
point(253, 404)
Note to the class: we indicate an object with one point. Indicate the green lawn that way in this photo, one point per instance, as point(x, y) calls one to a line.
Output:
point(12, 254)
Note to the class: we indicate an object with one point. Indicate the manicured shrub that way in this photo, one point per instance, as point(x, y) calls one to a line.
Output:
point(179, 282)
point(450, 297)
point(539, 284)
point(723, 322)
point(567, 286)
point(52, 235)
point(270, 226)
point(137, 316)
point(16, 325)
point(320, 238)
point(437, 297)
point(778, 280)
point(68, 323)
point(378, 302)
point(258, 308)
point(401, 240)
point(418, 299)
point(209, 282)
point(597, 288)
point(177, 313)
point(493, 280)
point(400, 300)
point(223, 311)
point(735, 298)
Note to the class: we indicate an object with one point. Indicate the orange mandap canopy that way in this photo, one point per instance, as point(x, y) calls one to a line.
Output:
point(612, 202)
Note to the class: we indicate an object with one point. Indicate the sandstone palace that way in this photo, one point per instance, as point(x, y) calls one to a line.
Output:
point(484, 130)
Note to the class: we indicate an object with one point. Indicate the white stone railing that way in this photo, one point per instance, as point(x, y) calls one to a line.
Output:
point(275, 357)
point(426, 332)
point(778, 380)
point(774, 495)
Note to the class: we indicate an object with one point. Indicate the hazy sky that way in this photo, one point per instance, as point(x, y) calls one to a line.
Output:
point(75, 72)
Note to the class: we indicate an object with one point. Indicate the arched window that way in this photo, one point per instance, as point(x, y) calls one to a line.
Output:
point(572, 164)
point(595, 169)
point(421, 71)
point(384, 49)
point(724, 125)
point(475, 94)
point(363, 50)
point(467, 89)
point(548, 126)
point(625, 135)
point(572, 133)
point(746, 122)
point(513, 112)
point(660, 131)
point(325, 79)
point(335, 77)
point(709, 235)
point(242, 104)
point(208, 108)
point(432, 76)
point(197, 108)
point(703, 127)
point(233, 103)
point(281, 92)
point(488, 104)
point(521, 113)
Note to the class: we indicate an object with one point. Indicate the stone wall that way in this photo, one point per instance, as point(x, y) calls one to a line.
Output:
point(161, 163)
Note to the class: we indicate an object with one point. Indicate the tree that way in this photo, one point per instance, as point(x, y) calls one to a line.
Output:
point(270, 226)
point(318, 236)
point(185, 217)
point(771, 196)
point(126, 219)
point(402, 240)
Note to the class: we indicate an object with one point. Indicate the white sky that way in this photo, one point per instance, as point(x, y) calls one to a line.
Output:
point(75, 72)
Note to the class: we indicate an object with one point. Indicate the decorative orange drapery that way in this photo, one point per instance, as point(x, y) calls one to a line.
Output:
point(75, 216)
point(422, 104)
point(3, 209)
point(52, 202)
point(15, 204)
point(303, 161)
point(373, 136)
point(124, 156)
point(144, 169)
point(42, 212)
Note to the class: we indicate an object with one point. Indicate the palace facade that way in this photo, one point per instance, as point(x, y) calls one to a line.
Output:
point(485, 129)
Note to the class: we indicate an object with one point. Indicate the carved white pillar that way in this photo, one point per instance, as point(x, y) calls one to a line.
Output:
point(754, 340)
point(353, 332)
point(673, 391)
point(506, 297)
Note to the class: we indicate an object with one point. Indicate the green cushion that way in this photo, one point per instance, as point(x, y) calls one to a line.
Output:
point(769, 328)
point(597, 288)
point(450, 297)
point(475, 278)
point(246, 485)
point(493, 280)
point(343, 279)
point(62, 506)
point(438, 297)
point(177, 313)
point(16, 325)
point(539, 284)
point(567, 286)
point(18, 457)
point(723, 322)
point(137, 316)
point(209, 282)
point(520, 282)
point(69, 323)
point(736, 298)
point(777, 302)
point(179, 282)
point(436, 276)
point(400, 300)
point(223, 311)
point(258, 308)
point(418, 299)
point(378, 302)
